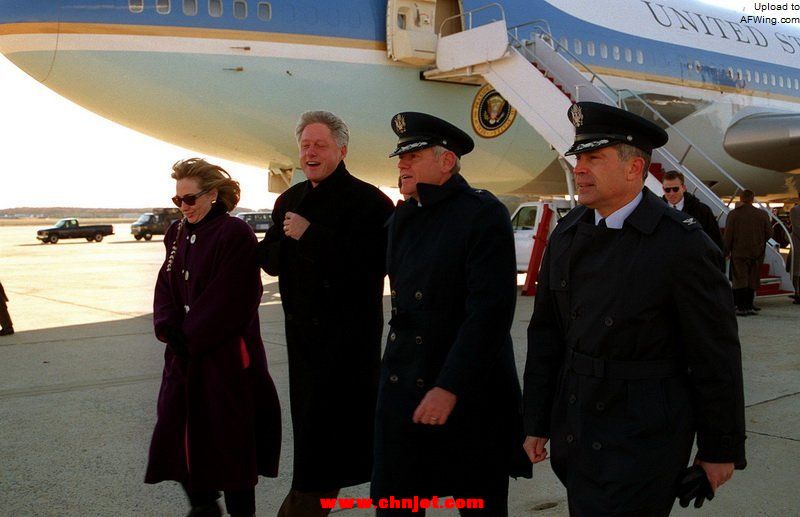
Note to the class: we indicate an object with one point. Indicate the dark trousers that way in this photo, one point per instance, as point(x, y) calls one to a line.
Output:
point(237, 502)
point(5, 317)
point(743, 298)
point(494, 495)
point(305, 504)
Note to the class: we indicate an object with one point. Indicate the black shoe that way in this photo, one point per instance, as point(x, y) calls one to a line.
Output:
point(208, 510)
point(742, 312)
point(7, 332)
point(752, 312)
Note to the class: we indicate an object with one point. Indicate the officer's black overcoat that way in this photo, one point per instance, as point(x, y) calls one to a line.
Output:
point(704, 216)
point(651, 294)
point(331, 284)
point(452, 271)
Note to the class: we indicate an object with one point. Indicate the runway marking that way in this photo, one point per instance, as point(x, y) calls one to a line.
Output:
point(77, 386)
point(773, 399)
point(773, 436)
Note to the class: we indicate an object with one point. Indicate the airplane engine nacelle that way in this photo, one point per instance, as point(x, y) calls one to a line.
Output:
point(767, 140)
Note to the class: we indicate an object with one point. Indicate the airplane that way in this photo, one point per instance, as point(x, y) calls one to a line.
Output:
point(230, 77)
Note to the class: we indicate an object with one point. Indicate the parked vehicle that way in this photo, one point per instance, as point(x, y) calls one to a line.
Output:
point(525, 221)
point(154, 223)
point(258, 221)
point(71, 229)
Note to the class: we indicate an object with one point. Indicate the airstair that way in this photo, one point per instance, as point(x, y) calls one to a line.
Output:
point(541, 79)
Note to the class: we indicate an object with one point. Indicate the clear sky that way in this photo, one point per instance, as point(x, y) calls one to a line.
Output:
point(55, 153)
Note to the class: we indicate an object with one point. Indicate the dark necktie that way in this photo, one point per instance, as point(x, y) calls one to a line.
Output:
point(602, 223)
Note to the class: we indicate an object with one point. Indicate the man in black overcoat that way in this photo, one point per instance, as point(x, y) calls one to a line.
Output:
point(633, 347)
point(327, 246)
point(6, 325)
point(448, 420)
point(675, 194)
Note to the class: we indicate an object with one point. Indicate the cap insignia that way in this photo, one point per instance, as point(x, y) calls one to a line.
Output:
point(399, 124)
point(576, 115)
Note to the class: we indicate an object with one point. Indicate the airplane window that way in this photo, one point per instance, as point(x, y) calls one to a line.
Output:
point(190, 7)
point(215, 8)
point(739, 74)
point(578, 46)
point(264, 11)
point(788, 82)
point(729, 73)
point(758, 78)
point(628, 55)
point(240, 9)
point(604, 51)
point(163, 6)
point(780, 81)
point(764, 77)
point(136, 6)
point(564, 43)
point(796, 84)
point(748, 75)
point(697, 67)
point(640, 57)
point(615, 51)
point(590, 48)
point(772, 76)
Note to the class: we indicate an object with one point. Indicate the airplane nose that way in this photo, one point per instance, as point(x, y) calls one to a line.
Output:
point(29, 34)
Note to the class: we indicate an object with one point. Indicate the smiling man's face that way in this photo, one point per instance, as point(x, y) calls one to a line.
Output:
point(319, 153)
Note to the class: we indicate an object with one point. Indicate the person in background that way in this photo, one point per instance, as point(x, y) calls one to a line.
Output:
point(675, 194)
point(327, 247)
point(218, 424)
point(794, 219)
point(747, 231)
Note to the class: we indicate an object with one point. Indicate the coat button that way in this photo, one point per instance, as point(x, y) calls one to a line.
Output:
point(186, 308)
point(186, 275)
point(420, 383)
point(570, 438)
point(572, 398)
point(314, 321)
point(563, 283)
point(418, 295)
point(394, 293)
point(608, 321)
point(326, 284)
point(193, 239)
point(418, 340)
point(574, 315)
point(393, 378)
point(597, 446)
point(600, 406)
point(392, 336)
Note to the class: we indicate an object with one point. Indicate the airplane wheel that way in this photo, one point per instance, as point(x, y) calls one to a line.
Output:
point(53, 239)
point(98, 237)
point(148, 236)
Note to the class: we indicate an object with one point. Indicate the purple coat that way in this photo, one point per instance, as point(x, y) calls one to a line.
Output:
point(218, 412)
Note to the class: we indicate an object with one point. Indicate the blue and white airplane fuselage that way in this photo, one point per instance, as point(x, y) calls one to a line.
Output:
point(230, 77)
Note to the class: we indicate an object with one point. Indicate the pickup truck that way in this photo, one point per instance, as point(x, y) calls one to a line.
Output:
point(525, 221)
point(154, 223)
point(70, 229)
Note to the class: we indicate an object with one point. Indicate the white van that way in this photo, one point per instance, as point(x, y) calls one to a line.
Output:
point(525, 221)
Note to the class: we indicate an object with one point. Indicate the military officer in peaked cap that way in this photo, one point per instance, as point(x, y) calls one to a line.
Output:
point(448, 419)
point(632, 347)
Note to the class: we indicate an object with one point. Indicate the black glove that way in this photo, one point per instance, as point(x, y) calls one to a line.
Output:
point(693, 484)
point(176, 341)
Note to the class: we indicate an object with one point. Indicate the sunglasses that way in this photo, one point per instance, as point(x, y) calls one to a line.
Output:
point(189, 199)
point(671, 189)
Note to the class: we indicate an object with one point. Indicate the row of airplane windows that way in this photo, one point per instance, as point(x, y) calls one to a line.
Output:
point(215, 8)
point(741, 77)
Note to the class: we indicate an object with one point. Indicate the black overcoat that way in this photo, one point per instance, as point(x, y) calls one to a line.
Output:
point(632, 349)
point(453, 278)
point(704, 216)
point(331, 284)
point(218, 412)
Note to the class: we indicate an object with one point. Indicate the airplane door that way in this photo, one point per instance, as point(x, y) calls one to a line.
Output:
point(412, 27)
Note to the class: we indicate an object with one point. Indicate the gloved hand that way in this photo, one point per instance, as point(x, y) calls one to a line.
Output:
point(693, 484)
point(176, 341)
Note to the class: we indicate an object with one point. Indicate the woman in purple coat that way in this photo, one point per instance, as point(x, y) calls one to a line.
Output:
point(218, 422)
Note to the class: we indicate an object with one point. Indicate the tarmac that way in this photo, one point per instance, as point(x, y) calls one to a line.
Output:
point(79, 381)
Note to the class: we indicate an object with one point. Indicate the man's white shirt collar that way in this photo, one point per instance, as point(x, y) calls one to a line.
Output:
point(679, 206)
point(617, 219)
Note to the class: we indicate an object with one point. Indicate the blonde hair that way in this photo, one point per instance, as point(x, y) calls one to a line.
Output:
point(209, 176)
